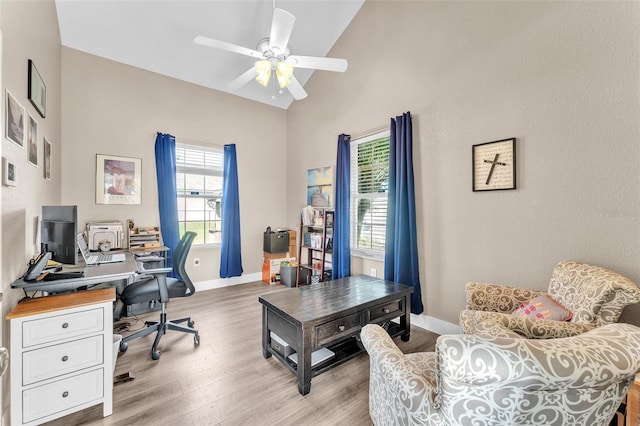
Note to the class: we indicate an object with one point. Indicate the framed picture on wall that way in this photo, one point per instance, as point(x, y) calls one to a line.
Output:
point(9, 173)
point(37, 91)
point(47, 159)
point(14, 120)
point(118, 180)
point(320, 187)
point(32, 153)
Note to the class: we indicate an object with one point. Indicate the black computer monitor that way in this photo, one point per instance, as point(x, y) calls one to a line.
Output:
point(59, 228)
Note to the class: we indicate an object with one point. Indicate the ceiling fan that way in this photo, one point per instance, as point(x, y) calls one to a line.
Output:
point(272, 54)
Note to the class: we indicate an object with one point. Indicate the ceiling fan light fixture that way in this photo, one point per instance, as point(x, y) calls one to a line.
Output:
point(284, 70)
point(263, 68)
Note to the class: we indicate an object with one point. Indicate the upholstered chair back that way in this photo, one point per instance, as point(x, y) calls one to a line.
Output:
point(594, 294)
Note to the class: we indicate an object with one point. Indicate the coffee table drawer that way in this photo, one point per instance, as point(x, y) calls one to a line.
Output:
point(386, 311)
point(334, 330)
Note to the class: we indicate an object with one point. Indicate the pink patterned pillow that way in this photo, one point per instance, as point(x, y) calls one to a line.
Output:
point(543, 307)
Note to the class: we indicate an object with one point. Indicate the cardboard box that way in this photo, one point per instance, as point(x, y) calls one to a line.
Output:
point(267, 255)
point(271, 269)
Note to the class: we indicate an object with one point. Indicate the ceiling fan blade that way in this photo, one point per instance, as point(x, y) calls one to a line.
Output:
point(318, 63)
point(296, 89)
point(281, 28)
point(209, 42)
point(248, 75)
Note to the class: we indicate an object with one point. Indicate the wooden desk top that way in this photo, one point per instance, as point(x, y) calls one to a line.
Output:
point(46, 304)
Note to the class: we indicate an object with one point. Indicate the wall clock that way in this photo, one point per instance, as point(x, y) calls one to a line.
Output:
point(494, 165)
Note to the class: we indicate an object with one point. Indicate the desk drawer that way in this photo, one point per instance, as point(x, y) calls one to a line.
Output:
point(334, 330)
point(57, 360)
point(58, 327)
point(386, 311)
point(58, 396)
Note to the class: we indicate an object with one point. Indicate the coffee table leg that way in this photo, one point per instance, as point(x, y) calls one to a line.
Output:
point(304, 363)
point(405, 320)
point(265, 333)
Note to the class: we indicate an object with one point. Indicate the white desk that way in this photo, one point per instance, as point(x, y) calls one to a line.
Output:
point(61, 355)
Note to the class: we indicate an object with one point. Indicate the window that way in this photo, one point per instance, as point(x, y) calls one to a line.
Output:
point(369, 183)
point(199, 184)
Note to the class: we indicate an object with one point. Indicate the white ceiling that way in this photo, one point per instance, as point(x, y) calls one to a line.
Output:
point(157, 35)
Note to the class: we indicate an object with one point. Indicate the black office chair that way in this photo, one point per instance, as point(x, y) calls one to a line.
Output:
point(158, 287)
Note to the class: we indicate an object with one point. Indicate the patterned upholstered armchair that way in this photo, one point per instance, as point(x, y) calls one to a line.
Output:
point(596, 296)
point(504, 379)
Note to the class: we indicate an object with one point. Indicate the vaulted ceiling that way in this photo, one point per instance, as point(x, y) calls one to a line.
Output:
point(157, 35)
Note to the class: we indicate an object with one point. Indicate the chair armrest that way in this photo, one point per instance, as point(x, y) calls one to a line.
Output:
point(591, 360)
point(497, 297)
point(481, 323)
point(156, 271)
point(401, 391)
point(149, 259)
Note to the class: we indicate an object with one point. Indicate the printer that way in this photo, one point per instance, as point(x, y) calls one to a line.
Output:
point(109, 234)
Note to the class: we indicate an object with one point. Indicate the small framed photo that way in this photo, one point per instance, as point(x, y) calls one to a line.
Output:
point(37, 91)
point(9, 173)
point(33, 142)
point(14, 121)
point(47, 159)
point(118, 180)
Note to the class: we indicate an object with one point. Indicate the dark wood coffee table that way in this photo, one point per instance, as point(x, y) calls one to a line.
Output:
point(330, 315)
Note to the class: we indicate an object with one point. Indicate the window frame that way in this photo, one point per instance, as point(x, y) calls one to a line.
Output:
point(218, 152)
point(366, 253)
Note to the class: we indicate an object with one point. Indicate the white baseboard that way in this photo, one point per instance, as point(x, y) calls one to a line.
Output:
point(434, 324)
point(226, 282)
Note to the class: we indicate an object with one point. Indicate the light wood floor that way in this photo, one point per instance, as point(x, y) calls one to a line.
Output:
point(225, 380)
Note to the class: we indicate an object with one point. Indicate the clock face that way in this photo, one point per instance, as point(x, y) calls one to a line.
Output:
point(494, 165)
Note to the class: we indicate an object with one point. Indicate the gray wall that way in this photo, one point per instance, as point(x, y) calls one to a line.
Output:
point(115, 109)
point(29, 31)
point(561, 77)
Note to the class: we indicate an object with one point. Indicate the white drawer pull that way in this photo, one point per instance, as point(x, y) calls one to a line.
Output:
point(341, 327)
point(65, 394)
point(65, 358)
point(385, 310)
point(65, 325)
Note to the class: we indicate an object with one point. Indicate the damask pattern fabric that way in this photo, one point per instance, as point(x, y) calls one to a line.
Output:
point(494, 380)
point(593, 294)
point(531, 328)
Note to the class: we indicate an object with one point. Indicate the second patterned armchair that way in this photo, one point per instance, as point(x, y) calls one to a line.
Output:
point(595, 296)
point(499, 378)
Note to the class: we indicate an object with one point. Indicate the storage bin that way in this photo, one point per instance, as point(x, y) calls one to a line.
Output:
point(288, 275)
point(276, 242)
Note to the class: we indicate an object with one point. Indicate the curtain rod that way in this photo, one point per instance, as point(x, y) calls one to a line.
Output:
point(369, 132)
point(192, 141)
